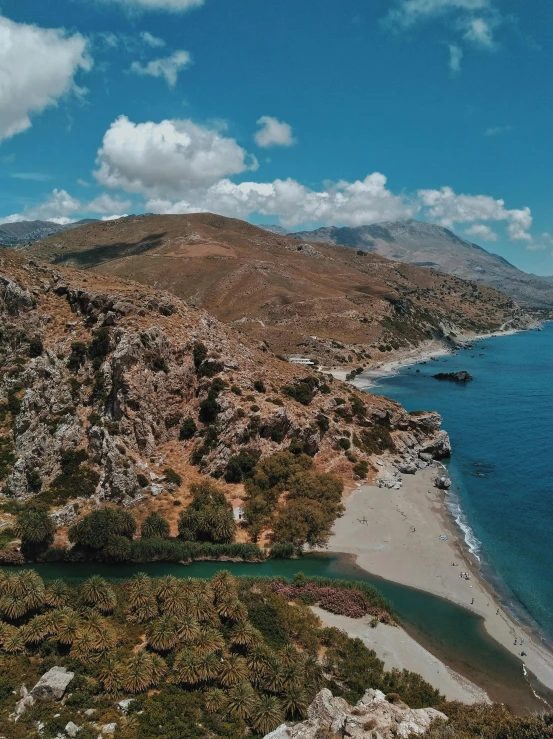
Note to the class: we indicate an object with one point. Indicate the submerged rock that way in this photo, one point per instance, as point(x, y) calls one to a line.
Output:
point(376, 716)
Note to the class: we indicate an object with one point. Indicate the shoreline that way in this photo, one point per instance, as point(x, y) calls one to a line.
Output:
point(399, 650)
point(386, 546)
point(422, 353)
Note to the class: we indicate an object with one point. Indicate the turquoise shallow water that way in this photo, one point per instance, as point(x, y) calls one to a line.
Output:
point(501, 429)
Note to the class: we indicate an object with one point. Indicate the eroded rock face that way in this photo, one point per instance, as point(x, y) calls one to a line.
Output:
point(374, 717)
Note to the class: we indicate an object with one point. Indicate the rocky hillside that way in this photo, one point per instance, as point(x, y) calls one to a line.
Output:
point(111, 391)
point(25, 232)
point(428, 245)
point(333, 304)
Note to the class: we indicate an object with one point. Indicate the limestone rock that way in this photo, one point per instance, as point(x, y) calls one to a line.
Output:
point(442, 482)
point(53, 684)
point(374, 717)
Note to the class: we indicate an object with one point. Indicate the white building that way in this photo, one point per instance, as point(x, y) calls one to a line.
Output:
point(301, 360)
point(238, 513)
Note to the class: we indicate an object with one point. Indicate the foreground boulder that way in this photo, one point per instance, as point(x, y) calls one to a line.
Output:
point(374, 717)
point(53, 684)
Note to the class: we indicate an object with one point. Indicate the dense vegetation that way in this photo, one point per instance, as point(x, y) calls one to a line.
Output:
point(227, 655)
point(286, 493)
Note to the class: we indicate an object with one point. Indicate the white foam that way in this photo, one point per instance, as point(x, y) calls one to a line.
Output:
point(472, 542)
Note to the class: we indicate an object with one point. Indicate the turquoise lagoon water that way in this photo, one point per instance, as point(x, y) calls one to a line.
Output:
point(501, 429)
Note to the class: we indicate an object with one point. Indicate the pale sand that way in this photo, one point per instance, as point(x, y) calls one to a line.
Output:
point(397, 649)
point(386, 546)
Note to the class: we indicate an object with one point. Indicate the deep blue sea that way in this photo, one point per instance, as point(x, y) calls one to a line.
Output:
point(501, 429)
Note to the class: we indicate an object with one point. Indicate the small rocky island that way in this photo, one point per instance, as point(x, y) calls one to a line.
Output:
point(462, 376)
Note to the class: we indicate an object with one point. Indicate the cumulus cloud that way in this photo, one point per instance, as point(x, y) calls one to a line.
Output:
point(167, 67)
point(61, 207)
point(37, 68)
point(165, 160)
point(448, 208)
point(273, 132)
point(455, 57)
point(408, 12)
point(482, 232)
point(152, 40)
point(480, 32)
point(174, 6)
point(348, 203)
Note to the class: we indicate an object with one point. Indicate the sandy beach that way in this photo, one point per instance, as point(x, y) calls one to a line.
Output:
point(396, 648)
point(410, 538)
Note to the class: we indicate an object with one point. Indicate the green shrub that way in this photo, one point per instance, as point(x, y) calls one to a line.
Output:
point(79, 352)
point(344, 443)
point(188, 429)
point(142, 480)
point(75, 480)
point(241, 466)
point(172, 477)
point(93, 532)
point(7, 456)
point(259, 385)
point(199, 354)
point(100, 345)
point(35, 348)
point(209, 410)
point(361, 469)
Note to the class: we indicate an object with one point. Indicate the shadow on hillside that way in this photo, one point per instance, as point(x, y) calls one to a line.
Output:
point(106, 252)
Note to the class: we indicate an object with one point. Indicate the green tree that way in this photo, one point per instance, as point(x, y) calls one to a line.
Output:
point(154, 526)
point(36, 531)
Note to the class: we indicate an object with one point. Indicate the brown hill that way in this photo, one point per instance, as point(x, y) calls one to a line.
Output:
point(117, 371)
point(327, 301)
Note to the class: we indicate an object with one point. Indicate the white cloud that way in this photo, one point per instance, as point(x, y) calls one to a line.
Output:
point(174, 6)
point(496, 130)
point(273, 132)
point(455, 57)
point(480, 32)
point(167, 159)
point(408, 12)
point(348, 203)
point(152, 40)
point(168, 67)
point(61, 207)
point(449, 208)
point(37, 68)
point(482, 232)
point(31, 176)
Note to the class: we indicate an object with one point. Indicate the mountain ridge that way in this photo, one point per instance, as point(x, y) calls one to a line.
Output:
point(331, 303)
point(429, 245)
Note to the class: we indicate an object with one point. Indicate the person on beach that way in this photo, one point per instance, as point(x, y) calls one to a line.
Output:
point(472, 602)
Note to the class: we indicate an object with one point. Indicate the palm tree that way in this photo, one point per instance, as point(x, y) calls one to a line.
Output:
point(294, 703)
point(57, 594)
point(97, 592)
point(288, 655)
point(188, 629)
point(111, 676)
point(146, 611)
point(185, 667)
point(267, 715)
point(209, 640)
point(83, 646)
point(201, 607)
point(12, 639)
point(174, 602)
point(209, 666)
point(154, 526)
point(292, 677)
point(69, 626)
point(231, 608)
point(166, 585)
point(13, 606)
point(104, 638)
point(138, 675)
point(272, 675)
point(242, 700)
point(313, 673)
point(244, 635)
point(36, 630)
point(224, 585)
point(159, 668)
point(258, 658)
point(22, 592)
point(162, 633)
point(139, 590)
point(233, 670)
point(215, 701)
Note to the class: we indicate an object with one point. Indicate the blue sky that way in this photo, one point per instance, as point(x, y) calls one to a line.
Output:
point(278, 111)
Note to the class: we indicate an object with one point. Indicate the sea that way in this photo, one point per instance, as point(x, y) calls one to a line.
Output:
point(501, 430)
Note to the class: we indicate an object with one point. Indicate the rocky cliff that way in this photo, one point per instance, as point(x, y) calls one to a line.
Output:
point(104, 384)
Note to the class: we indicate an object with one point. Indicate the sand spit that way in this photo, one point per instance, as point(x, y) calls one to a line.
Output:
point(410, 538)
